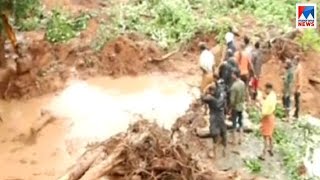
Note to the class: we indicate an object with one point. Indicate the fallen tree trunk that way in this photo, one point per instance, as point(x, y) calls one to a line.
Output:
point(164, 57)
point(83, 164)
point(105, 166)
point(314, 80)
point(44, 119)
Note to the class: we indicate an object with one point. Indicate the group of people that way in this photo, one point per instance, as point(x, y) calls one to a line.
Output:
point(227, 86)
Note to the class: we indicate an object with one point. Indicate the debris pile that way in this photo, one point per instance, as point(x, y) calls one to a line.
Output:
point(145, 151)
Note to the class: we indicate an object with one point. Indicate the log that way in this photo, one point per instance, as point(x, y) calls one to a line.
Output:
point(44, 119)
point(314, 80)
point(164, 57)
point(83, 164)
point(105, 166)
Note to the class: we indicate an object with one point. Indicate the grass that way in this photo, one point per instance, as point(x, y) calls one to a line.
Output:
point(254, 165)
point(61, 27)
point(310, 40)
point(172, 23)
point(293, 143)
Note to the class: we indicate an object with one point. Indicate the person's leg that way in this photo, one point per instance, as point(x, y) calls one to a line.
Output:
point(234, 118)
point(224, 141)
point(215, 146)
point(286, 105)
point(270, 145)
point(240, 126)
point(265, 148)
point(255, 88)
point(244, 78)
point(297, 104)
point(288, 99)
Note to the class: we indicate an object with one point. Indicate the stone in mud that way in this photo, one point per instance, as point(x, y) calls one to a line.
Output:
point(24, 64)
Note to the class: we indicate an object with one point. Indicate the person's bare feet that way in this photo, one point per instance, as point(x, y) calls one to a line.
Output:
point(270, 152)
point(262, 158)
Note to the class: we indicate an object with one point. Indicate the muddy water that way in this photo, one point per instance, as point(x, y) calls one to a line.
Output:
point(87, 112)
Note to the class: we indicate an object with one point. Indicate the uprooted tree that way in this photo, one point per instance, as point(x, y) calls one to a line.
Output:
point(19, 10)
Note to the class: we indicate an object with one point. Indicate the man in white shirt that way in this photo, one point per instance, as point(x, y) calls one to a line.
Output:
point(248, 46)
point(206, 60)
point(229, 37)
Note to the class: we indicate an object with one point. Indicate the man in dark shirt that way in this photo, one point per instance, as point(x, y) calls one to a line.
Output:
point(216, 102)
point(225, 73)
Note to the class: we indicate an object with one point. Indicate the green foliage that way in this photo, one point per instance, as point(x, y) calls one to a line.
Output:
point(167, 22)
point(105, 34)
point(62, 27)
point(254, 114)
point(254, 165)
point(286, 137)
point(280, 111)
point(268, 11)
point(171, 23)
point(28, 14)
point(310, 39)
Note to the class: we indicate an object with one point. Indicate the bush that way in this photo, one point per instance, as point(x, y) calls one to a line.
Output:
point(293, 142)
point(310, 39)
point(280, 112)
point(28, 14)
point(62, 27)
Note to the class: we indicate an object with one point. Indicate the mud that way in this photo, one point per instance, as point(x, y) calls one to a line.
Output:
point(145, 151)
point(80, 108)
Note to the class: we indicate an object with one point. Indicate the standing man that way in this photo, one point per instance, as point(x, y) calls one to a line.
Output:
point(229, 37)
point(298, 83)
point(216, 102)
point(257, 62)
point(287, 87)
point(245, 66)
point(225, 73)
point(268, 119)
point(248, 46)
point(237, 99)
point(206, 62)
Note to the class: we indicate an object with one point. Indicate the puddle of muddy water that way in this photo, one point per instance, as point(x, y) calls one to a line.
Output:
point(104, 107)
point(92, 111)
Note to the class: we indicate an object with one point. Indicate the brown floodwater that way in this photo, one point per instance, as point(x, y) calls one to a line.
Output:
point(86, 112)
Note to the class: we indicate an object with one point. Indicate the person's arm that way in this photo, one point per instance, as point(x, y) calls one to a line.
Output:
point(205, 90)
point(223, 54)
point(251, 66)
point(299, 79)
point(207, 98)
point(237, 57)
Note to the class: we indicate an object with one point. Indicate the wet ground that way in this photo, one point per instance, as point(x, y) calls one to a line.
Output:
point(87, 112)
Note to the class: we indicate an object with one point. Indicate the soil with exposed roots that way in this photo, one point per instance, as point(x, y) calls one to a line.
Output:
point(147, 151)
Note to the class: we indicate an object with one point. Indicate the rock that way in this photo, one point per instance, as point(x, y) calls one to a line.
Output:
point(314, 80)
point(24, 64)
point(45, 59)
point(5, 74)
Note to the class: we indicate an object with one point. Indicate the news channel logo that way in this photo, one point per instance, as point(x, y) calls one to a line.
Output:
point(306, 15)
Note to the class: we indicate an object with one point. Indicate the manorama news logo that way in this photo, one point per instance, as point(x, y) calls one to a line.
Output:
point(306, 15)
